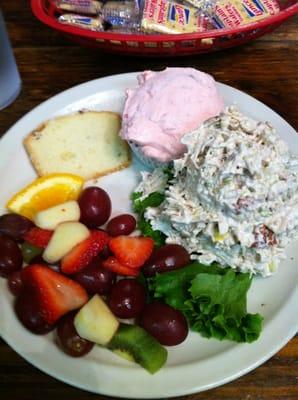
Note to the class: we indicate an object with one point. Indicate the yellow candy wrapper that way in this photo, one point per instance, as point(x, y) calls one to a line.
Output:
point(170, 17)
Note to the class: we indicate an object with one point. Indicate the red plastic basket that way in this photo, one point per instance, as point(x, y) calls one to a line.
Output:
point(160, 45)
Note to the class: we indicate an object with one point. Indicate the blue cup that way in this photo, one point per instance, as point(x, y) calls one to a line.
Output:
point(10, 81)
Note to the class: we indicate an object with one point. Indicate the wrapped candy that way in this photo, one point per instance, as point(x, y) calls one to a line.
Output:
point(205, 6)
point(123, 14)
point(83, 21)
point(87, 7)
point(234, 13)
point(166, 16)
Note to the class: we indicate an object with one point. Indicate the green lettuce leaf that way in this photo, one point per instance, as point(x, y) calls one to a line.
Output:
point(212, 298)
point(153, 200)
point(145, 227)
point(173, 286)
point(139, 206)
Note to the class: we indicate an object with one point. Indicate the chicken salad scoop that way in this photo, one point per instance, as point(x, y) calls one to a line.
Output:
point(232, 198)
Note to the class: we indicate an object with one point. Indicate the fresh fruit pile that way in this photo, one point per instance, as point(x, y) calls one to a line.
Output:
point(73, 269)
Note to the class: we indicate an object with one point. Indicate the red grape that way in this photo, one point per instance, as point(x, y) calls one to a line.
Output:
point(28, 312)
point(163, 322)
point(68, 338)
point(95, 206)
point(166, 258)
point(15, 283)
point(10, 256)
point(123, 224)
point(127, 298)
point(95, 278)
point(14, 225)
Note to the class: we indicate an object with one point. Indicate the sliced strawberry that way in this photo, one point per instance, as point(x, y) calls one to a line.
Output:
point(38, 237)
point(83, 253)
point(114, 265)
point(131, 251)
point(55, 293)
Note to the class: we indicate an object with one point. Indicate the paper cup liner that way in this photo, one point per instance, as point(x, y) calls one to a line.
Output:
point(149, 162)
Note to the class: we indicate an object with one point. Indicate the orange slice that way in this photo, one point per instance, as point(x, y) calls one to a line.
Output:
point(45, 192)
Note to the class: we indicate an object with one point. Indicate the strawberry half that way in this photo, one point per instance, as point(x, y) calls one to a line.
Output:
point(131, 251)
point(55, 293)
point(83, 253)
point(38, 237)
point(114, 265)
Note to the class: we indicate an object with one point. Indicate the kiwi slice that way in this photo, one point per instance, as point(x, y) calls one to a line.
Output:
point(133, 343)
point(29, 251)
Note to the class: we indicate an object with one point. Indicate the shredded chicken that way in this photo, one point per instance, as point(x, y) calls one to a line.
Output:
point(234, 195)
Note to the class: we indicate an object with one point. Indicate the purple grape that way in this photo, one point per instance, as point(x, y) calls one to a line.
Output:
point(68, 338)
point(10, 256)
point(167, 325)
point(95, 206)
point(27, 310)
point(123, 224)
point(95, 278)
point(127, 298)
point(166, 258)
point(15, 226)
point(15, 282)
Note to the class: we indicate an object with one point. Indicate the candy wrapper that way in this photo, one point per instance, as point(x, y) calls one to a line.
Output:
point(122, 14)
point(170, 17)
point(87, 7)
point(83, 21)
point(205, 6)
point(164, 16)
point(234, 13)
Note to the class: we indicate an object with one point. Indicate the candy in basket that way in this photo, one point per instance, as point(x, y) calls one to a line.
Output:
point(163, 27)
point(163, 16)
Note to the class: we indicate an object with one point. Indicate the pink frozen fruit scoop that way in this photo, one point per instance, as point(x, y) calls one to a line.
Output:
point(165, 106)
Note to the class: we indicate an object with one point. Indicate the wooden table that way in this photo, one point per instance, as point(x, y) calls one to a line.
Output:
point(267, 69)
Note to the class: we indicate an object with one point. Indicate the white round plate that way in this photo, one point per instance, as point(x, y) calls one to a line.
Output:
point(197, 364)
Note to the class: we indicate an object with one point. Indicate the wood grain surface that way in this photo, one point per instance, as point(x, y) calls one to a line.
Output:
point(266, 69)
